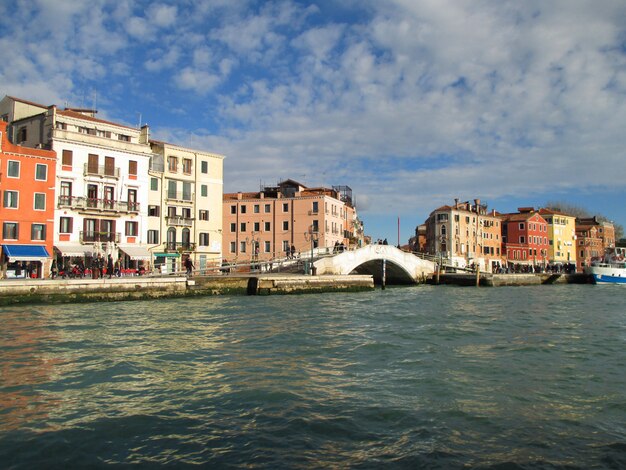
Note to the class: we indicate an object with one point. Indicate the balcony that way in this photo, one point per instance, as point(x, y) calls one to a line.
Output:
point(179, 196)
point(101, 171)
point(101, 205)
point(179, 221)
point(92, 237)
point(179, 247)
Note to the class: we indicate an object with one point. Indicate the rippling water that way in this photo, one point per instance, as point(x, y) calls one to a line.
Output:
point(417, 377)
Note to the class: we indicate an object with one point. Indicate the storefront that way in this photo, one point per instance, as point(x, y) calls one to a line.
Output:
point(167, 263)
point(135, 258)
point(24, 261)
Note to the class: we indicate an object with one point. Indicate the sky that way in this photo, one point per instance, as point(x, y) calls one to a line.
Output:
point(411, 103)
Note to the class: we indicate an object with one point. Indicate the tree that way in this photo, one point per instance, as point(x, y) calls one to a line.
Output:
point(581, 212)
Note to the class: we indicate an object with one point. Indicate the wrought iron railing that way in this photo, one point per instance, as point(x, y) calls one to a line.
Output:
point(102, 170)
point(85, 203)
point(91, 237)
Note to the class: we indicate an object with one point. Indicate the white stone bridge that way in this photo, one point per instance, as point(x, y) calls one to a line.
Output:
point(400, 267)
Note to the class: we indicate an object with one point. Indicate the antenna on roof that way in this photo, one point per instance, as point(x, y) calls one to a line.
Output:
point(95, 100)
point(139, 120)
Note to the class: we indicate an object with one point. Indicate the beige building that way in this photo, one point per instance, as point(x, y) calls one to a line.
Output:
point(266, 225)
point(466, 234)
point(561, 236)
point(184, 207)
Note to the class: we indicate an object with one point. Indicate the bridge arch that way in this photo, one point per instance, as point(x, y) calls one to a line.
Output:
point(401, 267)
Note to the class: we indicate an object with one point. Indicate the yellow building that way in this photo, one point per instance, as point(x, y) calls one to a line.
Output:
point(561, 236)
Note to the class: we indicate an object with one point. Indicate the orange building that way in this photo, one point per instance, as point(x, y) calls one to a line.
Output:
point(27, 179)
point(265, 225)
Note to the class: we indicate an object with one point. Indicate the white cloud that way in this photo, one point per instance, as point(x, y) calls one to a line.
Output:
point(198, 81)
point(162, 15)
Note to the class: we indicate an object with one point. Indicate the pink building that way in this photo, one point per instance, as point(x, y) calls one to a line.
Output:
point(288, 217)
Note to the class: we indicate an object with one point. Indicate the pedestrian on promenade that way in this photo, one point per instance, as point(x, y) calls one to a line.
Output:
point(189, 265)
point(110, 266)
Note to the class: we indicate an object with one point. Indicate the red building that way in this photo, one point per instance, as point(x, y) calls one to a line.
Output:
point(27, 180)
point(525, 239)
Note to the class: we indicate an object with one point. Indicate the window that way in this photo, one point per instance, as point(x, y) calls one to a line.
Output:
point(10, 230)
point(172, 164)
point(285, 207)
point(132, 168)
point(11, 199)
point(186, 213)
point(154, 211)
point(67, 157)
point(242, 247)
point(233, 209)
point(123, 138)
point(203, 215)
point(233, 247)
point(41, 172)
point(21, 135)
point(38, 232)
point(268, 225)
point(285, 245)
point(243, 226)
point(285, 225)
point(442, 217)
point(268, 208)
point(13, 169)
point(154, 184)
point(65, 225)
point(257, 226)
point(521, 226)
point(171, 189)
point(267, 247)
point(204, 167)
point(187, 166)
point(171, 211)
point(522, 239)
point(153, 237)
point(315, 206)
point(40, 202)
point(204, 239)
point(233, 227)
point(131, 229)
point(133, 205)
point(257, 208)
point(186, 191)
point(101, 133)
point(243, 209)
point(204, 190)
point(61, 126)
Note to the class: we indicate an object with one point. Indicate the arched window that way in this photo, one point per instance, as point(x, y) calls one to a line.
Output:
point(443, 230)
point(171, 238)
point(186, 240)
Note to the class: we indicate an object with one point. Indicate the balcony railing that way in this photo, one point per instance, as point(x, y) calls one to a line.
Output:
point(91, 237)
point(179, 221)
point(102, 170)
point(87, 203)
point(179, 246)
point(179, 195)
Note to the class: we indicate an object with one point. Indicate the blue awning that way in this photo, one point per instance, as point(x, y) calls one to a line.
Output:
point(25, 252)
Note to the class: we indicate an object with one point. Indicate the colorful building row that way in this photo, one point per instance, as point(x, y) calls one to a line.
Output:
point(468, 234)
point(107, 189)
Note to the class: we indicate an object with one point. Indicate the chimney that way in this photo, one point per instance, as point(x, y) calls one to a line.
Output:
point(456, 202)
point(144, 134)
point(239, 196)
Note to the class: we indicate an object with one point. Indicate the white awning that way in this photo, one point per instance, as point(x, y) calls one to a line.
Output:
point(74, 249)
point(135, 252)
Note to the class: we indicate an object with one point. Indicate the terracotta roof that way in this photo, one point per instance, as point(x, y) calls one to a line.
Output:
point(77, 115)
point(552, 212)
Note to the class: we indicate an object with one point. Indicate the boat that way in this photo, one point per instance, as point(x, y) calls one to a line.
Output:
point(611, 269)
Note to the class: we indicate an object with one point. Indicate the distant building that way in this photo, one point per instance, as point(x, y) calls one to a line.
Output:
point(466, 234)
point(588, 244)
point(277, 220)
point(27, 211)
point(606, 230)
point(561, 236)
point(525, 238)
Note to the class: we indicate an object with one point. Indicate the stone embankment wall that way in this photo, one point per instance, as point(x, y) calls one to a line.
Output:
point(17, 292)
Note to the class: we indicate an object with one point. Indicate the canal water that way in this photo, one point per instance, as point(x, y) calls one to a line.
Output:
point(415, 377)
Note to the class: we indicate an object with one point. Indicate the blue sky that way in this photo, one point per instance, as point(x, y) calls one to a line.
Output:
point(411, 103)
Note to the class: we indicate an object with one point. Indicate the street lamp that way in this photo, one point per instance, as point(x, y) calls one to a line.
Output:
point(314, 236)
point(254, 245)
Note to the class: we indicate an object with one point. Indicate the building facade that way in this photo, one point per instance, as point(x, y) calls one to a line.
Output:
point(288, 217)
point(185, 207)
point(525, 239)
point(561, 237)
point(27, 178)
point(465, 234)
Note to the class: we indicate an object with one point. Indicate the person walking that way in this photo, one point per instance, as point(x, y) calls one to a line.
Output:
point(110, 266)
point(189, 265)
